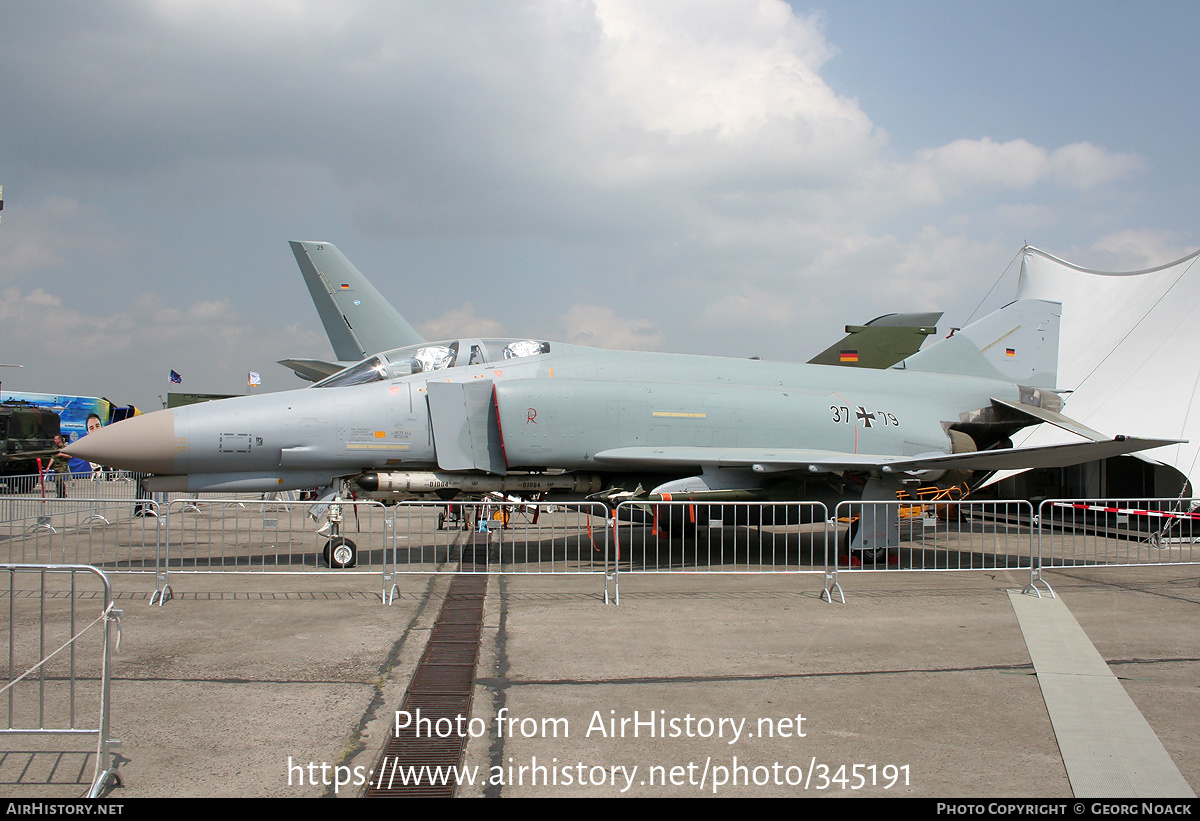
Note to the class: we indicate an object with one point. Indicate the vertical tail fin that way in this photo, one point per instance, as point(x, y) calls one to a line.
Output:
point(1018, 343)
point(357, 319)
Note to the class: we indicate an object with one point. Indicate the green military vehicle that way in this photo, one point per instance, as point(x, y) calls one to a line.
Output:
point(26, 434)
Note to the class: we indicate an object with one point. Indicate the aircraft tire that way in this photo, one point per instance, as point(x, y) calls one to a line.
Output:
point(340, 553)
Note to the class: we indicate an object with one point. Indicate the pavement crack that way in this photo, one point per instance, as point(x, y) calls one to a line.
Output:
point(355, 744)
point(499, 694)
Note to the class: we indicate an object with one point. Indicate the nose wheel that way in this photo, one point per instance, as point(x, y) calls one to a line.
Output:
point(340, 552)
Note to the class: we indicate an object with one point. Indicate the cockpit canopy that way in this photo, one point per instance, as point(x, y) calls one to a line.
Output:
point(433, 356)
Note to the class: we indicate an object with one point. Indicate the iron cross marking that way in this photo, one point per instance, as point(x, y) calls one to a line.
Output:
point(865, 417)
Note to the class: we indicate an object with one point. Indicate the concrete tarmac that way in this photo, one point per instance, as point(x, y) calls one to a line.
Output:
point(920, 685)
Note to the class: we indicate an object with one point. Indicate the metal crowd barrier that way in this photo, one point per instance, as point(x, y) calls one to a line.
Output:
point(937, 535)
point(117, 535)
point(253, 535)
point(1117, 532)
point(942, 535)
point(100, 484)
point(250, 534)
point(17, 493)
point(257, 536)
point(58, 674)
point(537, 538)
point(731, 537)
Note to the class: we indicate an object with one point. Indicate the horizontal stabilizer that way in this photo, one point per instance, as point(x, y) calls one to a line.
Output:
point(1050, 417)
point(314, 370)
point(1048, 456)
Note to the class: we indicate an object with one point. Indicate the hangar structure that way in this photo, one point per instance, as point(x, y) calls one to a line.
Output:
point(1128, 353)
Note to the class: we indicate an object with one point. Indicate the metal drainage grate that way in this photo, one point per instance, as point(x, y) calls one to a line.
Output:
point(441, 688)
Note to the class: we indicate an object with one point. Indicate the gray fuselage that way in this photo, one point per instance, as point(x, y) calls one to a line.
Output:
point(559, 409)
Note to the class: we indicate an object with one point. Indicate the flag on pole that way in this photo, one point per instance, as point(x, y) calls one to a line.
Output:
point(253, 379)
point(175, 378)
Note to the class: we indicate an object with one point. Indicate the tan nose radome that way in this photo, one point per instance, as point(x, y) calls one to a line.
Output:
point(145, 444)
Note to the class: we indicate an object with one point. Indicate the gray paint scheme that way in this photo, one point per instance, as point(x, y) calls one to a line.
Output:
point(1020, 339)
point(463, 416)
point(630, 418)
point(358, 320)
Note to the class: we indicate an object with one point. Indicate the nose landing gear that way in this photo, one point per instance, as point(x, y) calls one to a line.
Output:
point(339, 552)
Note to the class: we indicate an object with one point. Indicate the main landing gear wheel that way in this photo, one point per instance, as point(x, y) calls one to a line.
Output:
point(340, 552)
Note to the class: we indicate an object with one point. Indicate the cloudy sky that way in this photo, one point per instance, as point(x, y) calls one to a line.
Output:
point(739, 177)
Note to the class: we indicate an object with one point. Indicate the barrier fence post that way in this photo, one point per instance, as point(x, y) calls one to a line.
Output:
point(19, 718)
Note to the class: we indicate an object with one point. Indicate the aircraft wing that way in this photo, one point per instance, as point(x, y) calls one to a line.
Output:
point(823, 461)
point(314, 370)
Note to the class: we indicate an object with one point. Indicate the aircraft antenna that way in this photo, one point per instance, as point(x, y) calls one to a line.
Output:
point(994, 284)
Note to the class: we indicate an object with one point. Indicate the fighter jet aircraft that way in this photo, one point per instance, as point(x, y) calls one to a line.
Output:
point(533, 416)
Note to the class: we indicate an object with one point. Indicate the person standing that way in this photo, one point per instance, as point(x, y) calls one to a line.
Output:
point(60, 464)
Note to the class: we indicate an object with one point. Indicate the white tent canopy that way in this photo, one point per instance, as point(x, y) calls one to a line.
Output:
point(1129, 350)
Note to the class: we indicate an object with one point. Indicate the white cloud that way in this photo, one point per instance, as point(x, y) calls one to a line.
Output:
point(965, 167)
point(713, 92)
point(37, 235)
point(688, 154)
point(1084, 166)
point(722, 70)
point(750, 307)
point(964, 164)
point(952, 273)
point(211, 342)
point(460, 322)
point(599, 326)
point(1139, 249)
